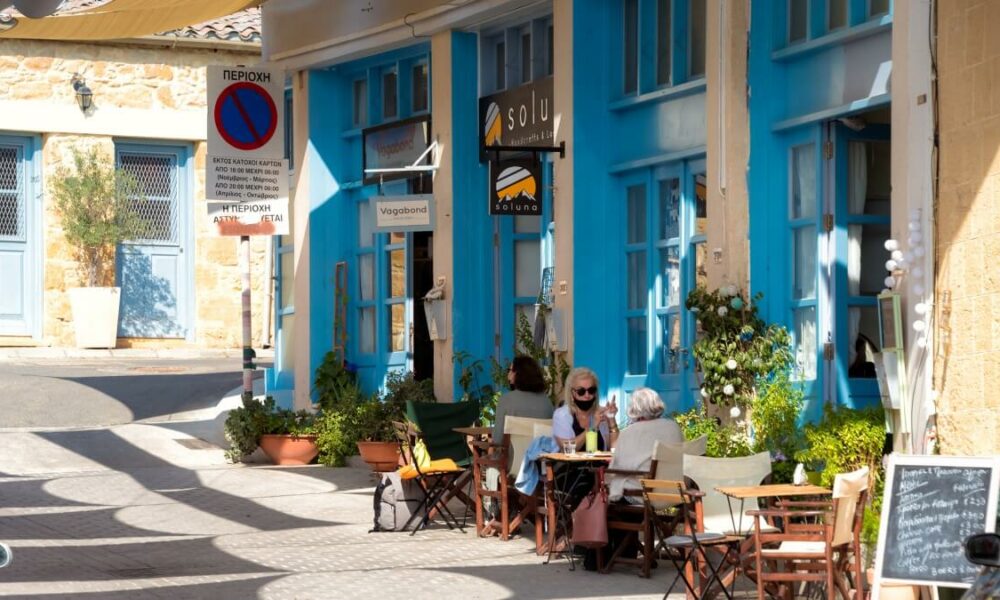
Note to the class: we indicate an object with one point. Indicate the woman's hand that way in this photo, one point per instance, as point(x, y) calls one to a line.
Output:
point(611, 410)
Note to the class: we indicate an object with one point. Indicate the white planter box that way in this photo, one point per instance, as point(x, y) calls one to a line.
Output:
point(95, 316)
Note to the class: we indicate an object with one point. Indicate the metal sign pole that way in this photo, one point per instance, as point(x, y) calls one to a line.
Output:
point(248, 353)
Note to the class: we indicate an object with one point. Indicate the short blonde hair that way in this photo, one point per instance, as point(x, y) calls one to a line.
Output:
point(571, 379)
point(644, 404)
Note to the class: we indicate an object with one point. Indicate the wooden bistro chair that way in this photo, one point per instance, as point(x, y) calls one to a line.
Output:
point(675, 510)
point(506, 457)
point(631, 519)
point(827, 550)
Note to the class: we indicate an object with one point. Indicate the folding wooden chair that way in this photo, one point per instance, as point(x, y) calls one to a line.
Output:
point(674, 512)
point(826, 550)
point(433, 476)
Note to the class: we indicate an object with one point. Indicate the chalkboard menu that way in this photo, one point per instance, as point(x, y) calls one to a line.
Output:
point(931, 504)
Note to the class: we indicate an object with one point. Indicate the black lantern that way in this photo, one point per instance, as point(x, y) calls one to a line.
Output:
point(84, 97)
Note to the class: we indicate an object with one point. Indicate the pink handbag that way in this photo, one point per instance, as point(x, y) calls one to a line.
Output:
point(590, 519)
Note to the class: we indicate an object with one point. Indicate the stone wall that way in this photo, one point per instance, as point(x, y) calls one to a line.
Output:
point(967, 216)
point(140, 86)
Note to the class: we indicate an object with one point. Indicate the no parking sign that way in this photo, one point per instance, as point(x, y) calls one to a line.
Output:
point(247, 174)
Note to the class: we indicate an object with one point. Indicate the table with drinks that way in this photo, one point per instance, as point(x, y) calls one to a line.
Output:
point(559, 483)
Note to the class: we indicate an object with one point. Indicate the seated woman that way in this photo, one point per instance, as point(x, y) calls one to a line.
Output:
point(635, 444)
point(580, 411)
point(527, 397)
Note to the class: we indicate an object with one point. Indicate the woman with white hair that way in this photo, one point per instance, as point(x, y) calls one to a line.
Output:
point(634, 451)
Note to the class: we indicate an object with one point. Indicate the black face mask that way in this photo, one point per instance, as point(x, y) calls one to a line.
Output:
point(585, 405)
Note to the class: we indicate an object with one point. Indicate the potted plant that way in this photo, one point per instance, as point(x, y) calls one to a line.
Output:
point(96, 204)
point(287, 437)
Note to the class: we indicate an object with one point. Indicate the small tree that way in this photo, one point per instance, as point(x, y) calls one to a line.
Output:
point(97, 204)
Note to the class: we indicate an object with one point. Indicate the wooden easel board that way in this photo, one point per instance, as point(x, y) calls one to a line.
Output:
point(931, 504)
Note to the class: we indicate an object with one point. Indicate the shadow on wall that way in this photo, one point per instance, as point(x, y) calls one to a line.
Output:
point(148, 301)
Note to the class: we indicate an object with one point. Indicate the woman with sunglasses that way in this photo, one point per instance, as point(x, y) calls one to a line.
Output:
point(581, 411)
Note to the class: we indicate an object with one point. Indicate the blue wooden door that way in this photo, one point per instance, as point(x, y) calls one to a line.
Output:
point(20, 271)
point(154, 272)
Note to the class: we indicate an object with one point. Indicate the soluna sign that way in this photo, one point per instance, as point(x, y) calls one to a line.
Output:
point(518, 117)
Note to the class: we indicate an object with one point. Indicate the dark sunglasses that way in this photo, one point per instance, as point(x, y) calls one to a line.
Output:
point(582, 390)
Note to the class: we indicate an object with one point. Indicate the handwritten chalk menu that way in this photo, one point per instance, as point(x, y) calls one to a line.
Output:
point(931, 504)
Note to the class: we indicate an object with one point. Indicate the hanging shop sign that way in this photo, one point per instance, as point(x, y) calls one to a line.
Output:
point(414, 212)
point(518, 117)
point(515, 187)
point(391, 148)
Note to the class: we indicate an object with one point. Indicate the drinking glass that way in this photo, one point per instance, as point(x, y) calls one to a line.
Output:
point(569, 447)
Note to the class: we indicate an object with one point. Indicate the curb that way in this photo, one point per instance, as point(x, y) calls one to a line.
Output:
point(48, 353)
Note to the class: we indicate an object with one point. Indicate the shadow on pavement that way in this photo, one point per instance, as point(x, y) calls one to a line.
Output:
point(243, 588)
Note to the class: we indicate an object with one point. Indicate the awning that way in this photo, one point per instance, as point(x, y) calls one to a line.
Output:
point(120, 19)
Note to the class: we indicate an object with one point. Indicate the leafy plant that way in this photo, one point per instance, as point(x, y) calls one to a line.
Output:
point(284, 421)
point(243, 427)
point(98, 208)
point(729, 440)
point(553, 364)
point(333, 380)
point(737, 347)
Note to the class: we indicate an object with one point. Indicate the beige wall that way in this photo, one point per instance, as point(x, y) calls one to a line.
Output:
point(562, 169)
point(142, 93)
point(728, 144)
point(968, 228)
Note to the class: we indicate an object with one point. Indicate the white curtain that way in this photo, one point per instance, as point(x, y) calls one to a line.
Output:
point(857, 189)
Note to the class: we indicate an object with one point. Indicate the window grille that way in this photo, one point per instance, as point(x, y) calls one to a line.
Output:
point(11, 194)
point(156, 175)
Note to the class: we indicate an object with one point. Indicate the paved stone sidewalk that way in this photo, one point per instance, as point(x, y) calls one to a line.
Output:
point(146, 510)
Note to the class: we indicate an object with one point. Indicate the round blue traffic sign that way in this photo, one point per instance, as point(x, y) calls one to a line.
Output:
point(245, 115)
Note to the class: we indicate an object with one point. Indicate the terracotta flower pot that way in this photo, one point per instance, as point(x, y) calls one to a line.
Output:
point(289, 450)
point(380, 456)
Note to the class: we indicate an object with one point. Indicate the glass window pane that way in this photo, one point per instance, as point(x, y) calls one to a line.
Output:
point(868, 173)
point(397, 237)
point(525, 57)
point(366, 225)
point(663, 40)
point(631, 42)
point(804, 182)
point(637, 286)
point(500, 64)
point(670, 208)
point(700, 262)
point(636, 214)
point(863, 322)
point(837, 15)
point(804, 263)
point(527, 224)
point(670, 363)
point(804, 341)
point(286, 331)
point(697, 28)
point(420, 88)
point(878, 7)
point(360, 102)
point(527, 267)
point(866, 258)
point(397, 327)
point(637, 345)
point(700, 204)
point(287, 279)
point(798, 17)
point(389, 109)
point(397, 273)
point(366, 330)
point(670, 266)
point(549, 59)
point(366, 277)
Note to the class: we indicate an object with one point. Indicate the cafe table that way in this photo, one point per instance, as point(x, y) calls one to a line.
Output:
point(558, 488)
point(745, 492)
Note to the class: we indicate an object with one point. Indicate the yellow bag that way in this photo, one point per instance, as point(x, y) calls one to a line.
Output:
point(420, 455)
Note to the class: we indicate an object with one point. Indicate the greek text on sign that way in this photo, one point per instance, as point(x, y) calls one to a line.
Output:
point(259, 217)
point(246, 112)
point(229, 178)
point(404, 213)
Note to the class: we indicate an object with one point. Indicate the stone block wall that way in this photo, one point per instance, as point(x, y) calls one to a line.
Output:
point(137, 86)
point(967, 228)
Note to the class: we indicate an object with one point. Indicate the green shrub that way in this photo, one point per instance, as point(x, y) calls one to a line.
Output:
point(243, 427)
point(723, 440)
point(845, 440)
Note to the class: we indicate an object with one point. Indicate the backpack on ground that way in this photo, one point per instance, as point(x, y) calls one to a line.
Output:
point(395, 501)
